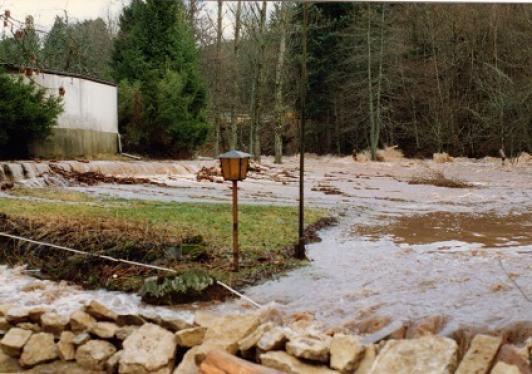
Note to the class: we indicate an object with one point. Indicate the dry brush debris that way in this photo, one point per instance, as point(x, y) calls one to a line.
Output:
point(438, 179)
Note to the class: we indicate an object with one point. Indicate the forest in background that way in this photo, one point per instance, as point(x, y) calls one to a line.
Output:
point(453, 78)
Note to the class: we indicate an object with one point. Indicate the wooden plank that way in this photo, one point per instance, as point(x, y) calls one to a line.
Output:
point(221, 362)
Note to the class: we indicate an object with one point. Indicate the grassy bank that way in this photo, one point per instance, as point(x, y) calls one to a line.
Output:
point(177, 235)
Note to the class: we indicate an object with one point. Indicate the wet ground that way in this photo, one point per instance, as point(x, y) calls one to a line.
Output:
point(400, 251)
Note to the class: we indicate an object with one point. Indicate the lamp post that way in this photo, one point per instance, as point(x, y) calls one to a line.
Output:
point(234, 166)
point(300, 250)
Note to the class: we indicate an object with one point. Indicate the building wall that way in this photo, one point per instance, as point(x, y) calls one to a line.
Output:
point(89, 123)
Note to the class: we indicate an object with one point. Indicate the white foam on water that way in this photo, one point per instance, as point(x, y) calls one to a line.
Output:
point(19, 289)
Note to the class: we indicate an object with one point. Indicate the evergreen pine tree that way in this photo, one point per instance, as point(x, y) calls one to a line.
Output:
point(155, 51)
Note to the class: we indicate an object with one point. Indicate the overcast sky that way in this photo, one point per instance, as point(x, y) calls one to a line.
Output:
point(44, 11)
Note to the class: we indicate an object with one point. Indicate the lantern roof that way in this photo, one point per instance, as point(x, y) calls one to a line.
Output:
point(234, 154)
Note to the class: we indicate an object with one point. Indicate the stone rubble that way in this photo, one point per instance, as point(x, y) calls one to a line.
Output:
point(39, 348)
point(480, 355)
point(14, 340)
point(65, 347)
point(346, 353)
point(97, 340)
point(53, 323)
point(93, 354)
point(148, 349)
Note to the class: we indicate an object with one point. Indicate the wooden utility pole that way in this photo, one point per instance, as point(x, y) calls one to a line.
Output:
point(300, 252)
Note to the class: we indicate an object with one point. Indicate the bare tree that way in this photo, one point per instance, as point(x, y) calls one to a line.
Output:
point(279, 107)
point(236, 70)
point(257, 94)
point(375, 111)
point(217, 90)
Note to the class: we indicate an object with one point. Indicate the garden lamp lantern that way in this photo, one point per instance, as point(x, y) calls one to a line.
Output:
point(234, 166)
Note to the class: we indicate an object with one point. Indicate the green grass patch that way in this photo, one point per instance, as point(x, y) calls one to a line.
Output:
point(147, 231)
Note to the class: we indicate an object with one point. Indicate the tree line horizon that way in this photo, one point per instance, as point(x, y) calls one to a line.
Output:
point(428, 78)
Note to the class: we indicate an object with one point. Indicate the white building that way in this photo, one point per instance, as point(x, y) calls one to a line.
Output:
point(89, 122)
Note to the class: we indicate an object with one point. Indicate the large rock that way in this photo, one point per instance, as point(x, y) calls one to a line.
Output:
point(81, 321)
point(346, 353)
point(188, 364)
point(309, 348)
point(251, 340)
point(15, 339)
point(93, 354)
point(367, 361)
point(4, 325)
point(81, 338)
point(39, 348)
point(17, 315)
point(124, 331)
point(36, 313)
point(149, 349)
point(190, 337)
point(100, 312)
point(8, 364)
point(65, 347)
point(504, 368)
point(104, 330)
point(175, 324)
point(111, 365)
point(283, 361)
point(33, 327)
point(53, 323)
point(430, 354)
point(225, 332)
point(480, 354)
point(274, 339)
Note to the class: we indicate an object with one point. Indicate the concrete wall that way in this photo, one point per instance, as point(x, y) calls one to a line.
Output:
point(89, 123)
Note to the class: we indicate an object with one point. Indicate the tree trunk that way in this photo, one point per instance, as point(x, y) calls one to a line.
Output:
point(378, 122)
point(192, 13)
point(217, 114)
point(279, 110)
point(258, 86)
point(236, 95)
point(372, 125)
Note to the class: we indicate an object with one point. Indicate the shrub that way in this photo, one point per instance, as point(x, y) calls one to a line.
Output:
point(27, 114)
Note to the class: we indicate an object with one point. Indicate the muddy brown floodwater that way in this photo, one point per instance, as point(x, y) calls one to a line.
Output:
point(399, 251)
point(488, 229)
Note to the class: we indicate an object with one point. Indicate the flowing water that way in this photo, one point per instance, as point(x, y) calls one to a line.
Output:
point(399, 251)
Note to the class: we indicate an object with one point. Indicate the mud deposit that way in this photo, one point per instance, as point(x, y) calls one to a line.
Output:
point(399, 252)
point(488, 229)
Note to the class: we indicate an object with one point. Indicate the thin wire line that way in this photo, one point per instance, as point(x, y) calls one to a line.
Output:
point(129, 262)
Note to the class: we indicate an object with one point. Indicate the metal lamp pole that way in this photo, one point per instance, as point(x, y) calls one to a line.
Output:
point(234, 165)
point(236, 259)
point(300, 252)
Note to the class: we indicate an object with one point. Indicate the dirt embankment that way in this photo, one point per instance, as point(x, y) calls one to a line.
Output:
point(130, 241)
